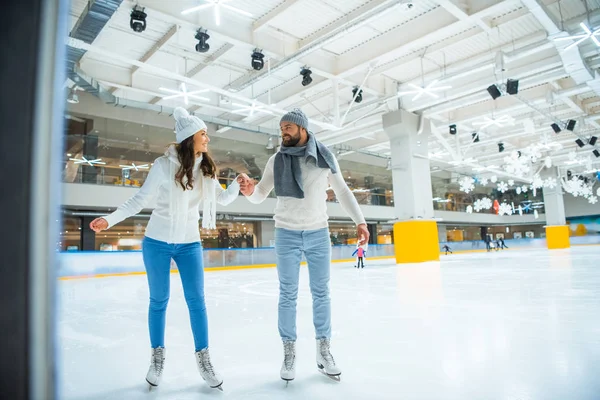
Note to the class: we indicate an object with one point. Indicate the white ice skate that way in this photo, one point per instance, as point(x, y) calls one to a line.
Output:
point(288, 368)
point(325, 361)
point(157, 363)
point(207, 370)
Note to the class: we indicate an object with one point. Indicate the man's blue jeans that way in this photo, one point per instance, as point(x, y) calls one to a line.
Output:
point(157, 260)
point(289, 247)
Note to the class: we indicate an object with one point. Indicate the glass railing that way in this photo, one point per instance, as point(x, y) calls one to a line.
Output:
point(104, 161)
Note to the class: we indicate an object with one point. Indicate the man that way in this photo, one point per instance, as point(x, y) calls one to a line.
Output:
point(301, 172)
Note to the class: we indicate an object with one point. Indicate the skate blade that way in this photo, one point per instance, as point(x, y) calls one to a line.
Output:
point(220, 387)
point(151, 386)
point(336, 378)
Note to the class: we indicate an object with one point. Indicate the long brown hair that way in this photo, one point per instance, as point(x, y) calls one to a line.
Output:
point(187, 159)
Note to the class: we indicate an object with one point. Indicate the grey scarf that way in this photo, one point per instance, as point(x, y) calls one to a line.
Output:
point(287, 173)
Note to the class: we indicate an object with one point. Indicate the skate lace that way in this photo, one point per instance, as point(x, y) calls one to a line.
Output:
point(325, 352)
point(206, 364)
point(289, 355)
point(158, 360)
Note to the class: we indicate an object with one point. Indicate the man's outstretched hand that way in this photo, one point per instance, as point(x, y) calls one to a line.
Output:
point(246, 184)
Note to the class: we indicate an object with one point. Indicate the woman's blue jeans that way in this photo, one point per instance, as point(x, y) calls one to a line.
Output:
point(157, 260)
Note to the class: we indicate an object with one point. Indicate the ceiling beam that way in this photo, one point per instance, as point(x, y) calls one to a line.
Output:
point(157, 46)
point(462, 15)
point(271, 15)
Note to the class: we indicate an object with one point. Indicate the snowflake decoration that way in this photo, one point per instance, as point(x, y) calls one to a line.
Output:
point(505, 209)
point(550, 183)
point(524, 188)
point(502, 187)
point(548, 162)
point(494, 179)
point(538, 182)
point(482, 204)
point(467, 184)
point(586, 191)
point(598, 192)
point(511, 182)
point(520, 210)
point(517, 165)
point(518, 190)
point(469, 209)
point(593, 199)
point(575, 186)
point(483, 181)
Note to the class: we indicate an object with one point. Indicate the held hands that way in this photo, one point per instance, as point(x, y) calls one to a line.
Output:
point(362, 233)
point(246, 184)
point(98, 225)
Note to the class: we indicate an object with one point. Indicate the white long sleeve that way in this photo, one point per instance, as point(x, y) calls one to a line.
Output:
point(266, 184)
point(309, 212)
point(227, 196)
point(141, 199)
point(345, 196)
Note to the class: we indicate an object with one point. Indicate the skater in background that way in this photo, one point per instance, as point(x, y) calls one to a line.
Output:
point(446, 249)
point(502, 244)
point(300, 173)
point(179, 181)
point(361, 253)
point(488, 243)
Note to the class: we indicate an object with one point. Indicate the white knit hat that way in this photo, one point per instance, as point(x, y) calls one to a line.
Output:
point(186, 125)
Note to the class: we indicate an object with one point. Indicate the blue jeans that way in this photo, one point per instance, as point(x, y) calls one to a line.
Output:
point(316, 246)
point(157, 260)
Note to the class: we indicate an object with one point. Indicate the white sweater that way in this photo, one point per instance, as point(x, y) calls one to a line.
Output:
point(310, 212)
point(176, 215)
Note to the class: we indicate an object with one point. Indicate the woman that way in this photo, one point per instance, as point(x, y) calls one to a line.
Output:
point(179, 181)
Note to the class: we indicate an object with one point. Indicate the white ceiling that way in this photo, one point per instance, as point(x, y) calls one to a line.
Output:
point(384, 45)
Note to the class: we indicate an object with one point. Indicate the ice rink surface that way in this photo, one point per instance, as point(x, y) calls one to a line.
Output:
point(512, 325)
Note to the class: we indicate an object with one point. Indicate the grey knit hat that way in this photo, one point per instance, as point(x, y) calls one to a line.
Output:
point(296, 116)
point(186, 125)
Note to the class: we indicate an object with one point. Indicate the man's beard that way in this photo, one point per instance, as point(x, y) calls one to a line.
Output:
point(291, 141)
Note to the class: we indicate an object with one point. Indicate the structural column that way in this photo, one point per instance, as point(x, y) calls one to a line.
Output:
point(557, 230)
point(267, 233)
point(415, 232)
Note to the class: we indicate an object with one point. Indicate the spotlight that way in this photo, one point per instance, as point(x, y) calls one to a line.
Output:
point(357, 97)
point(452, 129)
point(257, 60)
point(556, 128)
point(137, 22)
point(202, 36)
point(592, 141)
point(569, 174)
point(512, 86)
point(475, 137)
point(519, 154)
point(73, 98)
point(571, 125)
point(306, 79)
point(597, 154)
point(580, 143)
point(500, 147)
point(389, 164)
point(494, 91)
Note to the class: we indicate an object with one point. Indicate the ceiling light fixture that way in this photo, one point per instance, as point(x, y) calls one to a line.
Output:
point(499, 122)
point(133, 166)
point(429, 90)
point(251, 108)
point(182, 92)
point(84, 160)
point(217, 4)
point(580, 38)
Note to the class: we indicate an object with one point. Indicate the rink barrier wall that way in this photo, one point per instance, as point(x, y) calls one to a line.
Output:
point(100, 264)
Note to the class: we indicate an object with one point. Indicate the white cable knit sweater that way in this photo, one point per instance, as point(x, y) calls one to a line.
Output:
point(176, 215)
point(310, 212)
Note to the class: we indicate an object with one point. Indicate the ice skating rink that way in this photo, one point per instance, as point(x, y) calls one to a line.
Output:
point(512, 325)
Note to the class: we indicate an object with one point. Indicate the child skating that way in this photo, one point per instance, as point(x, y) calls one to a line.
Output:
point(360, 252)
